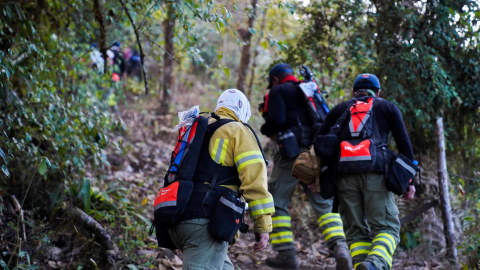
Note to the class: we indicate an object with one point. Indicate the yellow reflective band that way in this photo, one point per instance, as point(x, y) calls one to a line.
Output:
point(281, 218)
point(334, 234)
point(284, 240)
point(273, 235)
point(336, 228)
point(335, 219)
point(389, 244)
point(248, 162)
point(328, 215)
point(355, 266)
point(215, 149)
point(281, 237)
point(392, 240)
point(245, 154)
point(281, 221)
point(224, 152)
point(262, 206)
point(276, 225)
point(262, 211)
point(261, 201)
point(360, 251)
point(383, 254)
point(360, 244)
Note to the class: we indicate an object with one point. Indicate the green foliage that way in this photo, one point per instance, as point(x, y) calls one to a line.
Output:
point(51, 102)
point(470, 244)
point(425, 53)
point(325, 44)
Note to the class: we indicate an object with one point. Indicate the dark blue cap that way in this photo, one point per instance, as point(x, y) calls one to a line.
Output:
point(366, 81)
point(277, 70)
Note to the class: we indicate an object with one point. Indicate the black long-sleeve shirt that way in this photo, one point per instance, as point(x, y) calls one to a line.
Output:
point(285, 109)
point(388, 118)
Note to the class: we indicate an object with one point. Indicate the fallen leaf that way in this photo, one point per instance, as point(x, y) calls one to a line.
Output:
point(144, 201)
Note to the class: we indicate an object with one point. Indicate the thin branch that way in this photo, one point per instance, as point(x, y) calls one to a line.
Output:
point(137, 35)
point(19, 245)
point(111, 31)
point(89, 51)
point(146, 14)
point(161, 48)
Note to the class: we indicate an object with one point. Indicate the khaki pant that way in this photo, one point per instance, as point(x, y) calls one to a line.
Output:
point(282, 185)
point(200, 250)
point(370, 218)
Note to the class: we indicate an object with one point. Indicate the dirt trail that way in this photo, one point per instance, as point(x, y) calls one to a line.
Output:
point(141, 172)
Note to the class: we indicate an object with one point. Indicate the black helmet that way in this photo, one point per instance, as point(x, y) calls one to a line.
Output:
point(278, 69)
point(366, 81)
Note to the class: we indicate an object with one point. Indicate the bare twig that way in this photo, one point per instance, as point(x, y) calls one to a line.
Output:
point(19, 209)
point(137, 35)
point(161, 48)
point(18, 206)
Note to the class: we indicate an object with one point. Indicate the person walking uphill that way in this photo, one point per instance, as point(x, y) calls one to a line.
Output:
point(367, 207)
point(287, 112)
point(231, 156)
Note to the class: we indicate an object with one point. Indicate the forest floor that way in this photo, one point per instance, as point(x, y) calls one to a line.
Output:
point(146, 165)
point(124, 195)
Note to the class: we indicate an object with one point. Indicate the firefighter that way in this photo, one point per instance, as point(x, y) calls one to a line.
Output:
point(232, 156)
point(367, 207)
point(287, 111)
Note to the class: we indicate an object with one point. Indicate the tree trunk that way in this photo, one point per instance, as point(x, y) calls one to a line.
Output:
point(168, 34)
point(102, 42)
point(445, 195)
point(245, 59)
point(254, 64)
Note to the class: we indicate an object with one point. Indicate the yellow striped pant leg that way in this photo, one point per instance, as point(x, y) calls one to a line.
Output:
point(331, 227)
point(359, 252)
point(281, 236)
point(381, 252)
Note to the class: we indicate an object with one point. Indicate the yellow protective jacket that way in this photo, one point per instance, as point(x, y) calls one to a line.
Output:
point(238, 147)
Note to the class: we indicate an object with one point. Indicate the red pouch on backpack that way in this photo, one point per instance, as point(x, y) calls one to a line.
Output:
point(357, 156)
point(170, 203)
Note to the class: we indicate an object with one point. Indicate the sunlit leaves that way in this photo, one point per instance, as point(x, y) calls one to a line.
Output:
point(42, 167)
point(227, 71)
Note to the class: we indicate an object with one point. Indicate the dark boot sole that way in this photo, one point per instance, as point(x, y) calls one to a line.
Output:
point(343, 263)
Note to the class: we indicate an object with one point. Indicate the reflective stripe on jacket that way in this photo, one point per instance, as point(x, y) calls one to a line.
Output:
point(233, 144)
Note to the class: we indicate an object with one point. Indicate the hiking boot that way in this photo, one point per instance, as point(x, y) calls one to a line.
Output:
point(286, 259)
point(366, 265)
point(342, 257)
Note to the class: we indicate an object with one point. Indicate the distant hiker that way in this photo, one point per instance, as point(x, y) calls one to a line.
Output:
point(97, 58)
point(288, 122)
point(359, 129)
point(119, 65)
point(228, 168)
point(133, 63)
